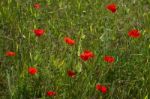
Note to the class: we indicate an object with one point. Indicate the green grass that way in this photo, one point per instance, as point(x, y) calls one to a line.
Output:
point(93, 27)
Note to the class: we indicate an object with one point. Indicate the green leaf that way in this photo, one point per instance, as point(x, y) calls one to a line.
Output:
point(78, 67)
point(146, 97)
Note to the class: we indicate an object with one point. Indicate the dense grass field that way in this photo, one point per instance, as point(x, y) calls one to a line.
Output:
point(74, 49)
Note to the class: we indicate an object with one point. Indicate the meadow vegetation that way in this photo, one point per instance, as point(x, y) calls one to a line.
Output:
point(74, 49)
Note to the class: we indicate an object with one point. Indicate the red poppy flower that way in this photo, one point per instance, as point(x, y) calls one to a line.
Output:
point(109, 59)
point(101, 88)
point(112, 7)
point(37, 6)
point(32, 70)
point(98, 87)
point(69, 41)
point(86, 55)
point(39, 32)
point(51, 93)
point(134, 33)
point(10, 53)
point(71, 73)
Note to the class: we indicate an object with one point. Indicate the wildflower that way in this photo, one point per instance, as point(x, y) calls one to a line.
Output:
point(10, 53)
point(39, 32)
point(37, 6)
point(98, 87)
point(109, 59)
point(32, 70)
point(86, 55)
point(51, 93)
point(134, 33)
point(71, 73)
point(112, 7)
point(69, 41)
point(101, 88)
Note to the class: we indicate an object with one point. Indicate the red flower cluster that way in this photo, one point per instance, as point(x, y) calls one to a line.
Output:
point(86, 55)
point(10, 53)
point(134, 33)
point(101, 88)
point(71, 73)
point(32, 70)
point(69, 41)
point(38, 32)
point(112, 7)
point(37, 6)
point(109, 59)
point(51, 93)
